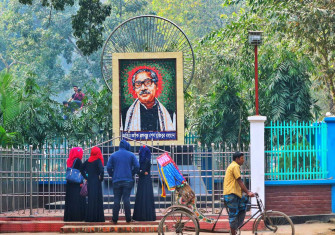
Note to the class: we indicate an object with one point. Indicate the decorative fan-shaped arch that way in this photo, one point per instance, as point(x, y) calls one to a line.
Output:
point(147, 33)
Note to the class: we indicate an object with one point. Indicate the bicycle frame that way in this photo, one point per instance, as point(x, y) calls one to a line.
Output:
point(257, 214)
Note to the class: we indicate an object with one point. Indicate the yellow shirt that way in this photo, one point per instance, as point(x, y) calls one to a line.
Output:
point(230, 184)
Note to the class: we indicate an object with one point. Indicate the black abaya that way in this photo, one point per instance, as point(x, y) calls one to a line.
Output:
point(144, 209)
point(74, 203)
point(95, 171)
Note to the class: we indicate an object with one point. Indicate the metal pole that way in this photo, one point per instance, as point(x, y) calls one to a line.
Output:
point(1, 169)
point(256, 80)
point(13, 174)
point(31, 179)
point(172, 156)
point(25, 180)
point(213, 176)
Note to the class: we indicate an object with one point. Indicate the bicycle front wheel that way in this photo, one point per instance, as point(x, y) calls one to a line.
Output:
point(178, 222)
point(274, 222)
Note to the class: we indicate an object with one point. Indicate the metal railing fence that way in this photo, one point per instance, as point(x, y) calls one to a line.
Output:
point(296, 151)
point(191, 138)
point(33, 181)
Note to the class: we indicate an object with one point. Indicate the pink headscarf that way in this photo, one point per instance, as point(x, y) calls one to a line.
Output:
point(76, 152)
point(95, 155)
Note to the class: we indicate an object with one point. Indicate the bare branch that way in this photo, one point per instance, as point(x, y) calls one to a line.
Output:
point(18, 62)
point(14, 62)
point(50, 14)
point(78, 50)
point(4, 62)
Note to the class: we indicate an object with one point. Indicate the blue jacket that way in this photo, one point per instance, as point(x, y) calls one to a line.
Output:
point(122, 165)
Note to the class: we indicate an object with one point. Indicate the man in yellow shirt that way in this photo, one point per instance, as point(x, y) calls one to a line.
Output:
point(232, 191)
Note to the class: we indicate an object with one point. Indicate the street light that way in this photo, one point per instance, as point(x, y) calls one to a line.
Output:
point(255, 38)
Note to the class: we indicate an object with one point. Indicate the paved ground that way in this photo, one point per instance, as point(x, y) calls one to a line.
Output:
point(301, 229)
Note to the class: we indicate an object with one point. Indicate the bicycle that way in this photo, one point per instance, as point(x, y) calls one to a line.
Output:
point(180, 219)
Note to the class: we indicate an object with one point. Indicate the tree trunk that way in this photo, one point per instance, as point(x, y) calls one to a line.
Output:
point(331, 86)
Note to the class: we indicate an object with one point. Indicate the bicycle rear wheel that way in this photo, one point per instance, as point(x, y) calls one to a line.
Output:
point(274, 222)
point(178, 222)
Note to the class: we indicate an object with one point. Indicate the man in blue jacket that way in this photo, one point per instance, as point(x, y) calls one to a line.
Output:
point(122, 166)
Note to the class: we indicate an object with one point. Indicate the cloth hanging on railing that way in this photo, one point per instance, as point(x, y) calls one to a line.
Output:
point(169, 173)
point(174, 180)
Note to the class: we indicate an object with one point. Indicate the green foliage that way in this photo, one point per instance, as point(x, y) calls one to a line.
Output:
point(221, 111)
point(289, 91)
point(40, 38)
point(286, 160)
point(10, 105)
point(38, 48)
point(196, 17)
point(32, 43)
point(36, 118)
point(40, 118)
point(124, 9)
point(6, 138)
point(58, 5)
point(27, 111)
point(53, 38)
point(9, 108)
point(311, 24)
point(86, 23)
point(94, 119)
point(225, 72)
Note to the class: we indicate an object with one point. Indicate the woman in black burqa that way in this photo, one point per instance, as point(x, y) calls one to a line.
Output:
point(74, 203)
point(144, 209)
point(93, 172)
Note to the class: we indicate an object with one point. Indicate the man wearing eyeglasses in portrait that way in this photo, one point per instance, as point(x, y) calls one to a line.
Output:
point(147, 113)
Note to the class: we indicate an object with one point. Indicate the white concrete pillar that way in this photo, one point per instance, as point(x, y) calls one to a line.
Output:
point(257, 156)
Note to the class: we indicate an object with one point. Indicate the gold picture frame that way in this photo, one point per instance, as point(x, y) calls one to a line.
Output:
point(173, 136)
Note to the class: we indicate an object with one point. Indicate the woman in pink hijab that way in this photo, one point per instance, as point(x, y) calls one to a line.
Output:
point(75, 205)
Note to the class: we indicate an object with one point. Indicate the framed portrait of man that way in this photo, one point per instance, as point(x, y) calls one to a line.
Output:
point(148, 96)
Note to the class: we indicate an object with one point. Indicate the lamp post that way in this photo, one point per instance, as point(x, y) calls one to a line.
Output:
point(255, 38)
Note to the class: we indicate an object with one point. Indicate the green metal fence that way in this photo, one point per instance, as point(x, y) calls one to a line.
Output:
point(296, 151)
point(191, 138)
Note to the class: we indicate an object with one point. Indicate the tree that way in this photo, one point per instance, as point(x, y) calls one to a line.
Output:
point(29, 116)
point(289, 95)
point(196, 17)
point(87, 23)
point(40, 40)
point(220, 92)
point(95, 118)
point(10, 108)
point(10, 105)
point(6, 139)
point(38, 44)
point(222, 112)
point(311, 24)
point(225, 73)
point(51, 62)
point(41, 118)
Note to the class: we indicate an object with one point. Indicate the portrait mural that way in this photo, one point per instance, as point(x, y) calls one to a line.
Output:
point(148, 98)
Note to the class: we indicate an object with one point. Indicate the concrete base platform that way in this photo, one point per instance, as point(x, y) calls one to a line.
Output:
point(35, 224)
point(128, 228)
point(47, 224)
